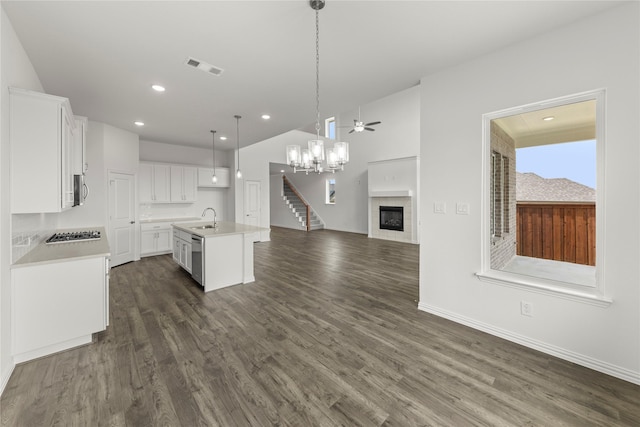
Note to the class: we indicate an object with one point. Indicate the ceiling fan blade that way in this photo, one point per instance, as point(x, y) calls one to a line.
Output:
point(370, 129)
point(352, 131)
point(373, 123)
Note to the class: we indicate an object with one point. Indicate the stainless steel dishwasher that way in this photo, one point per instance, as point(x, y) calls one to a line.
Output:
point(197, 259)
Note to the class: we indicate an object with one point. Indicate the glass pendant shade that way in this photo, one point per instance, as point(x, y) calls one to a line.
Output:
point(294, 156)
point(214, 178)
point(306, 159)
point(316, 150)
point(332, 158)
point(341, 150)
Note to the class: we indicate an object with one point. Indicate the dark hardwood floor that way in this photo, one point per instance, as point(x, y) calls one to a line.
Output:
point(327, 335)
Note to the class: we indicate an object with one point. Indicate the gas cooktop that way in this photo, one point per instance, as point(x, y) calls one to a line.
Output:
point(73, 236)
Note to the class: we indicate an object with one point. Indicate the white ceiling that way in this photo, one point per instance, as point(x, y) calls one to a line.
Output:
point(571, 123)
point(105, 55)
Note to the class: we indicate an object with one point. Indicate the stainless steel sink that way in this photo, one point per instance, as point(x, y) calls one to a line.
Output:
point(204, 227)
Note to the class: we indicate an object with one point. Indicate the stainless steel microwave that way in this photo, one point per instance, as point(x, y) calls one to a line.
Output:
point(80, 190)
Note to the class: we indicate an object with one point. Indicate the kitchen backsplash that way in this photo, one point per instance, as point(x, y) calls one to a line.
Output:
point(28, 230)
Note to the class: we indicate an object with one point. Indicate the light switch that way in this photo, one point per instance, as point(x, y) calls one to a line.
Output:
point(462, 208)
point(440, 207)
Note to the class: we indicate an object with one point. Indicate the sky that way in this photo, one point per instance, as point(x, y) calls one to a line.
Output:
point(573, 160)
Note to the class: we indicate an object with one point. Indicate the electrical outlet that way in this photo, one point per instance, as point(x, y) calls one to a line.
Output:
point(462, 208)
point(526, 308)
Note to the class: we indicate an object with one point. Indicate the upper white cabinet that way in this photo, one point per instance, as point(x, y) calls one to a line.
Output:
point(80, 164)
point(205, 174)
point(183, 184)
point(154, 183)
point(42, 132)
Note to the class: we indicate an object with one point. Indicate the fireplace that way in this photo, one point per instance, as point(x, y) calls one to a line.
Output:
point(392, 218)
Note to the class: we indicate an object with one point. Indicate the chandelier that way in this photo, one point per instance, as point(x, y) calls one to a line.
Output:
point(313, 158)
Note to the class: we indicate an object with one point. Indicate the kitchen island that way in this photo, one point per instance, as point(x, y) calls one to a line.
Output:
point(217, 255)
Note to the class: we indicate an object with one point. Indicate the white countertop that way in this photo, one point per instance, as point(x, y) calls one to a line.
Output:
point(175, 219)
point(45, 254)
point(223, 228)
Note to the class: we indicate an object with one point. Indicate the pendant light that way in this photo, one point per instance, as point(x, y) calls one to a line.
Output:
point(214, 178)
point(314, 156)
point(238, 173)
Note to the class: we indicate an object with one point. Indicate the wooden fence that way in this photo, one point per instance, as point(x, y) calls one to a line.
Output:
point(561, 232)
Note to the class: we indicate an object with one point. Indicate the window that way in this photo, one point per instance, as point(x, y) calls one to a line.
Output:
point(330, 198)
point(505, 229)
point(330, 128)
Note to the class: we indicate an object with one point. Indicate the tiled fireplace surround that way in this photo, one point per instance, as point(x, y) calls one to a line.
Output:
point(401, 236)
point(394, 182)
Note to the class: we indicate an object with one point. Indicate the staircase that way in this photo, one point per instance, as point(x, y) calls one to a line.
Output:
point(300, 208)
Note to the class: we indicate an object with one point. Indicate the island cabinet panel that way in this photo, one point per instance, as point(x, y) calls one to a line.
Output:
point(56, 306)
point(224, 261)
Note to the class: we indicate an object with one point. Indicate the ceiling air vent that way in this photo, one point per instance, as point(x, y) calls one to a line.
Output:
point(216, 71)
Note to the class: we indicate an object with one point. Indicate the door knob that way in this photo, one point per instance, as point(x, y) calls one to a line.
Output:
point(132, 222)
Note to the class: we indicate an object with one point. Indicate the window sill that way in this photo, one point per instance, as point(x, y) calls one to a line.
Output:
point(547, 287)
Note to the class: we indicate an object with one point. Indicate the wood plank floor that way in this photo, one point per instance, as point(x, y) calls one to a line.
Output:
point(327, 335)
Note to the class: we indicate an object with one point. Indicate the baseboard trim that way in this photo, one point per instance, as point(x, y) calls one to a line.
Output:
point(4, 380)
point(562, 353)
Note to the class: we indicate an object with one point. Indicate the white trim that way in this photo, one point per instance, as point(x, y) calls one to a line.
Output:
point(4, 380)
point(571, 356)
point(391, 193)
point(546, 287)
point(558, 288)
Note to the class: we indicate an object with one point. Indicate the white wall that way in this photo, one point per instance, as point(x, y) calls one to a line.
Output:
point(16, 70)
point(397, 136)
point(599, 52)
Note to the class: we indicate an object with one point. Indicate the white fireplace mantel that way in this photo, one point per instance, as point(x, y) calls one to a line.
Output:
point(391, 193)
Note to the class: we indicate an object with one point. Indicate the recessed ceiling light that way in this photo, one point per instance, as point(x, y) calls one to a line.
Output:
point(158, 88)
point(548, 118)
point(266, 116)
point(281, 170)
point(224, 138)
point(138, 123)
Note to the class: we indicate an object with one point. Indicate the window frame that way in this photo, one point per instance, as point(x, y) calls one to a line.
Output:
point(596, 294)
point(327, 199)
point(327, 128)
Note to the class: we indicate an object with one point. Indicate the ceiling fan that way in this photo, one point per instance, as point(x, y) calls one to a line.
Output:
point(359, 125)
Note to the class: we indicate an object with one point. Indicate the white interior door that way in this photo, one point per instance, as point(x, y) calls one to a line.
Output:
point(121, 218)
point(252, 203)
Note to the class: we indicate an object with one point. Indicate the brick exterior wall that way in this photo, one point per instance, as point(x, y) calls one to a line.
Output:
point(503, 246)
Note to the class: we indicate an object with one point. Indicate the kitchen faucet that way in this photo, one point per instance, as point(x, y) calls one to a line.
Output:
point(214, 215)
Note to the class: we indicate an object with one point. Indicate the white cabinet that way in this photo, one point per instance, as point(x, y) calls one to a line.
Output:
point(205, 174)
point(155, 239)
point(58, 305)
point(182, 249)
point(41, 132)
point(154, 183)
point(80, 165)
point(164, 183)
point(183, 184)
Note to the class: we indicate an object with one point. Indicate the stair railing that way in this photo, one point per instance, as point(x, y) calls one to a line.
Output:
point(286, 182)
